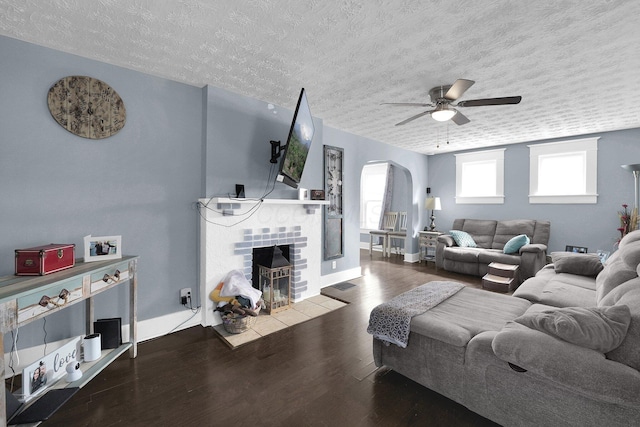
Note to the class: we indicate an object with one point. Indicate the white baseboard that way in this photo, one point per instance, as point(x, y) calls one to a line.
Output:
point(341, 276)
point(407, 257)
point(412, 257)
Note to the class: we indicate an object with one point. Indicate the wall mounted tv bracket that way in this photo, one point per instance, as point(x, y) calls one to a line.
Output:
point(276, 150)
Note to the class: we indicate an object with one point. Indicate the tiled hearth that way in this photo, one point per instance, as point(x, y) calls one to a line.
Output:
point(277, 236)
point(230, 229)
point(268, 324)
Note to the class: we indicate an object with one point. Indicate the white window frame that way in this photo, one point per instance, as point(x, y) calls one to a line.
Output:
point(496, 156)
point(588, 146)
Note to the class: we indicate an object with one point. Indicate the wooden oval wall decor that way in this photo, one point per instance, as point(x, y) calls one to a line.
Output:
point(86, 107)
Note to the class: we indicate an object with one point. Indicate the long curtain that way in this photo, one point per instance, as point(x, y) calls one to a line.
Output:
point(387, 196)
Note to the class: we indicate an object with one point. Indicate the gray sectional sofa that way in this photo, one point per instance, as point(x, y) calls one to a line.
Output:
point(491, 237)
point(501, 357)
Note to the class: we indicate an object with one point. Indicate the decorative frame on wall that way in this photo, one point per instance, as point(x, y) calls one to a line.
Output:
point(333, 213)
point(86, 107)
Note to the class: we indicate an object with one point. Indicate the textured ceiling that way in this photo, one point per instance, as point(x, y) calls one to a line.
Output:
point(576, 64)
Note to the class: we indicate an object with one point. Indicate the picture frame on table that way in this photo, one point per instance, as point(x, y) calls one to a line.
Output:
point(102, 248)
point(576, 249)
point(40, 375)
point(603, 255)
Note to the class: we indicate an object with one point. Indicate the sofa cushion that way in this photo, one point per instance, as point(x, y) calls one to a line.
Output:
point(532, 288)
point(581, 264)
point(621, 267)
point(456, 253)
point(598, 328)
point(482, 230)
point(563, 290)
point(542, 233)
point(515, 243)
point(630, 254)
point(628, 294)
point(506, 230)
point(467, 313)
point(631, 237)
point(463, 239)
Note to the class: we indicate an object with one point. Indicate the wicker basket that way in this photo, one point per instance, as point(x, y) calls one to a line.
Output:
point(237, 324)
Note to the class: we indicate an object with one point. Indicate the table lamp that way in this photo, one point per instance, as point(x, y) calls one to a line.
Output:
point(433, 204)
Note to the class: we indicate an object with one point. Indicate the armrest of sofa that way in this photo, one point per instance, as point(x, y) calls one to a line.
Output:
point(533, 247)
point(446, 240)
point(533, 258)
point(585, 370)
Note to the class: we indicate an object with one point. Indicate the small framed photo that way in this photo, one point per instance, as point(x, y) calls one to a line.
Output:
point(316, 194)
point(603, 255)
point(101, 248)
point(37, 377)
point(576, 249)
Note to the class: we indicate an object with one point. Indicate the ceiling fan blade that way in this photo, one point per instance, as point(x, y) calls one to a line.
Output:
point(490, 101)
point(407, 104)
point(458, 88)
point(417, 116)
point(460, 119)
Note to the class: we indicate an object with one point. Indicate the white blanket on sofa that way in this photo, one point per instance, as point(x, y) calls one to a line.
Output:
point(390, 321)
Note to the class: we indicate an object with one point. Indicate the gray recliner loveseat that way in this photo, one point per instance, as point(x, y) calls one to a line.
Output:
point(490, 237)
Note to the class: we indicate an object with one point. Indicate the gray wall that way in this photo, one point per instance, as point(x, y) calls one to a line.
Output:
point(140, 183)
point(239, 129)
point(590, 225)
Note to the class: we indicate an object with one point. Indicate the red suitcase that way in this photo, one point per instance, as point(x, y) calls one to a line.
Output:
point(46, 259)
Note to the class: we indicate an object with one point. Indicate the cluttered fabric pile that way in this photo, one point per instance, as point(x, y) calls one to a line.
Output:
point(237, 301)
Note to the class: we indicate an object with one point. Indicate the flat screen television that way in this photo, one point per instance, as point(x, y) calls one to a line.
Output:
point(298, 144)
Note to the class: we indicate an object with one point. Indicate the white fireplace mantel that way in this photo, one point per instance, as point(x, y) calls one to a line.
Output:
point(229, 206)
point(228, 200)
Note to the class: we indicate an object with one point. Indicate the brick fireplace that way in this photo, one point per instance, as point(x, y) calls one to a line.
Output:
point(231, 229)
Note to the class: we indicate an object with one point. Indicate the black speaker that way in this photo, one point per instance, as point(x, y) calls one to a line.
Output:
point(428, 190)
point(239, 191)
point(110, 331)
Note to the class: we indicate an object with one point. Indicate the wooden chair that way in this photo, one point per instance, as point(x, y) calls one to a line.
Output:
point(400, 234)
point(388, 224)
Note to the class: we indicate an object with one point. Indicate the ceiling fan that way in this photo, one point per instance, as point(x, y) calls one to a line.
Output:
point(442, 98)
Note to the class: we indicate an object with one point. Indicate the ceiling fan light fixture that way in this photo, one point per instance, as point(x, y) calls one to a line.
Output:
point(442, 113)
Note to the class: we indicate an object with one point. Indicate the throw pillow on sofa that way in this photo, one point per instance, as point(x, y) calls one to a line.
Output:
point(599, 328)
point(515, 243)
point(572, 263)
point(463, 239)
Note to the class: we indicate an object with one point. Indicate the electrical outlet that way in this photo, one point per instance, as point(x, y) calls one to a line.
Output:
point(185, 295)
point(334, 264)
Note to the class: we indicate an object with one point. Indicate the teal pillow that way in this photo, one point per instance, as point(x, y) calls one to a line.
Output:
point(515, 243)
point(463, 239)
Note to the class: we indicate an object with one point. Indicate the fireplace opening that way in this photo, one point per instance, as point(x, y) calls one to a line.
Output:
point(262, 256)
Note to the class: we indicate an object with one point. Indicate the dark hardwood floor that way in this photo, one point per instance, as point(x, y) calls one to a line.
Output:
point(318, 373)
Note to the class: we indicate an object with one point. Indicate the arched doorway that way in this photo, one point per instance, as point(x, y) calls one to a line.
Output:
point(400, 198)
